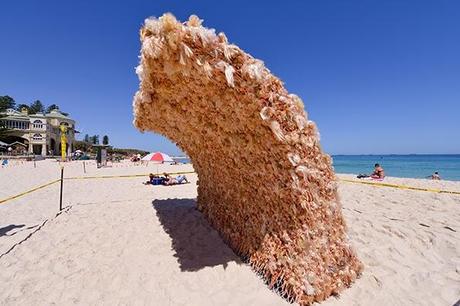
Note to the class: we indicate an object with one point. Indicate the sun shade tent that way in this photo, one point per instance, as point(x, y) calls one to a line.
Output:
point(158, 157)
point(264, 182)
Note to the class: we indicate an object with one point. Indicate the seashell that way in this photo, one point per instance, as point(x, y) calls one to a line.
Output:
point(140, 72)
point(182, 59)
point(309, 289)
point(194, 21)
point(300, 121)
point(255, 69)
point(229, 75)
point(153, 46)
point(168, 23)
point(187, 51)
point(265, 113)
point(294, 158)
point(276, 129)
point(207, 69)
point(222, 38)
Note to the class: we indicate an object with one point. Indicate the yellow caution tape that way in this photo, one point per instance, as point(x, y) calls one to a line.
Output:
point(190, 172)
point(121, 176)
point(84, 178)
point(399, 186)
point(29, 191)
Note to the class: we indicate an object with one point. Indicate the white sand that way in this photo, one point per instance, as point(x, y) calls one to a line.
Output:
point(121, 242)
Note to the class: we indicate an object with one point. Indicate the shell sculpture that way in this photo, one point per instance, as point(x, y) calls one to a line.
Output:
point(264, 182)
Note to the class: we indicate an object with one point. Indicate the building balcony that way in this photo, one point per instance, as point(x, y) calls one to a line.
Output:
point(16, 125)
point(41, 129)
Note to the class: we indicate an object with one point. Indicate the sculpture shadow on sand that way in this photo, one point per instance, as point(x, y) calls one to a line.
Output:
point(196, 244)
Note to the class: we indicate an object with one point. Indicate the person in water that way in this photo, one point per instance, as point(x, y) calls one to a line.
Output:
point(436, 176)
point(378, 173)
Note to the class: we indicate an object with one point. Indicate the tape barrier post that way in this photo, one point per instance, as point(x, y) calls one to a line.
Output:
point(62, 185)
point(84, 167)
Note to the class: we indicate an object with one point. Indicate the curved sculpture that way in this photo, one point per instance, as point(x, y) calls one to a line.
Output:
point(264, 182)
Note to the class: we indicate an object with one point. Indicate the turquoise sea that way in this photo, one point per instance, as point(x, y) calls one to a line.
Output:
point(413, 166)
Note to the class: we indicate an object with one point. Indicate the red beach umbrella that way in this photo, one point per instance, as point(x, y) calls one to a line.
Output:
point(158, 157)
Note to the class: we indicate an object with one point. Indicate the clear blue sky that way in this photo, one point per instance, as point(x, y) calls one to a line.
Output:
point(376, 76)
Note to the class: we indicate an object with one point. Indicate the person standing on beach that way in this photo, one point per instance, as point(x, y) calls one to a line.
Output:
point(436, 176)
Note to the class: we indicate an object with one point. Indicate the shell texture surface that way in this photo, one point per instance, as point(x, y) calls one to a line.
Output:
point(264, 182)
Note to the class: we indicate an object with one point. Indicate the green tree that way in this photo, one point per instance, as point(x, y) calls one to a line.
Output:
point(52, 107)
point(19, 107)
point(36, 107)
point(86, 139)
point(6, 102)
point(94, 139)
point(105, 140)
point(4, 131)
point(82, 146)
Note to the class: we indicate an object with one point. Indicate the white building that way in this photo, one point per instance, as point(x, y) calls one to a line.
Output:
point(40, 133)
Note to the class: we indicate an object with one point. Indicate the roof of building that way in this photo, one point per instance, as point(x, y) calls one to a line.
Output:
point(55, 113)
point(17, 143)
point(4, 144)
point(17, 115)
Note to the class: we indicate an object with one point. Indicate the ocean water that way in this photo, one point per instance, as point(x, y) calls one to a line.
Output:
point(413, 166)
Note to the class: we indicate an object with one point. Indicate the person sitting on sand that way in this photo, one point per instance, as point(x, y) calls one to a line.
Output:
point(180, 179)
point(436, 176)
point(378, 173)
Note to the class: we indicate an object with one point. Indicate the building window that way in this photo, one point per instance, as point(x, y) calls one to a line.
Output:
point(37, 124)
point(37, 137)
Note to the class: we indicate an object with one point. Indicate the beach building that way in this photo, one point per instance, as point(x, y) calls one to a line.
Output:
point(38, 133)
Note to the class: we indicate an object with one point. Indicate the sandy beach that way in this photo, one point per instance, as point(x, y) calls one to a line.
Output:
point(120, 242)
